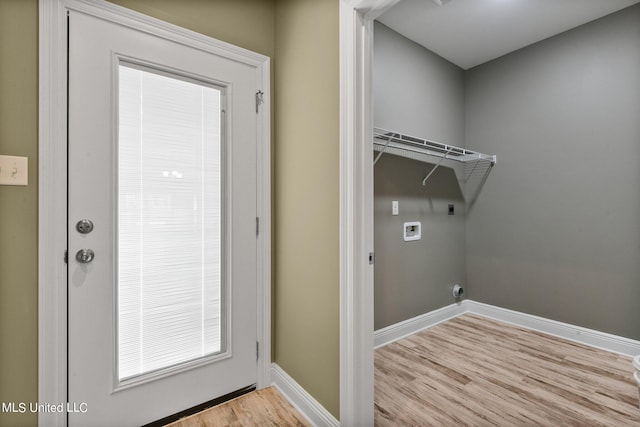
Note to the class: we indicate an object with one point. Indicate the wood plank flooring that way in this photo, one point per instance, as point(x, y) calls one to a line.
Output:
point(264, 407)
point(478, 372)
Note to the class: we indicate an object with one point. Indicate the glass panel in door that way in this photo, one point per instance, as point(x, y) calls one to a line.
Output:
point(170, 290)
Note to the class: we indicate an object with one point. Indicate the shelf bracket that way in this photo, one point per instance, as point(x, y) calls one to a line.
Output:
point(424, 181)
point(381, 152)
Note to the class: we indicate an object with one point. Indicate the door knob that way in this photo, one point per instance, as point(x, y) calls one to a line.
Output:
point(85, 256)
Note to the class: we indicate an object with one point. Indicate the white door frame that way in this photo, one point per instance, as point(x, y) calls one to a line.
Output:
point(52, 181)
point(356, 209)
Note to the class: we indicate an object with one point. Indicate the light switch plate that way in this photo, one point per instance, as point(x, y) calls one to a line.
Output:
point(14, 170)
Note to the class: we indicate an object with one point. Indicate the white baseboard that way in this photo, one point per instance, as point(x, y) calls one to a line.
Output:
point(403, 329)
point(567, 331)
point(590, 337)
point(304, 403)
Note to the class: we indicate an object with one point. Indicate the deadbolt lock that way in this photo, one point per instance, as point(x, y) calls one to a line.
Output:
point(84, 226)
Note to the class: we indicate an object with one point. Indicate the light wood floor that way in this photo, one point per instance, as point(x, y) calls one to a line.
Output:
point(259, 408)
point(479, 372)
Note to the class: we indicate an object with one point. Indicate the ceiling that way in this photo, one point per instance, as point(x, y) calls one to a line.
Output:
point(471, 32)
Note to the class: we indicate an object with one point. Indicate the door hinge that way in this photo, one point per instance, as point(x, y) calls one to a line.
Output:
point(66, 257)
point(257, 351)
point(257, 226)
point(259, 99)
point(372, 258)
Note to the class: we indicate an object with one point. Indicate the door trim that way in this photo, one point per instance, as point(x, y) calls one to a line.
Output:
point(52, 182)
point(356, 209)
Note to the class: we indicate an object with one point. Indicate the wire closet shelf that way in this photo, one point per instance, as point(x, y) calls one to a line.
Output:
point(471, 177)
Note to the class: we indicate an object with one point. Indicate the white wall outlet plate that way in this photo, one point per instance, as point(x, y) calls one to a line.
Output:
point(14, 170)
point(394, 207)
point(412, 231)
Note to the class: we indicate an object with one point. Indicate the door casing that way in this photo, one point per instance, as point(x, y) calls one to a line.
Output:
point(356, 209)
point(52, 269)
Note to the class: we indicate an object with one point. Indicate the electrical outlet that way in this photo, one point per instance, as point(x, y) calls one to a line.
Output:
point(394, 207)
point(14, 170)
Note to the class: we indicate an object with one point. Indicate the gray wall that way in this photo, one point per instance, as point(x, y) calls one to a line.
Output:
point(556, 230)
point(421, 94)
point(415, 277)
point(416, 91)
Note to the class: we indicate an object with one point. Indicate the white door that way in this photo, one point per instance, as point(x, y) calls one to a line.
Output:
point(162, 225)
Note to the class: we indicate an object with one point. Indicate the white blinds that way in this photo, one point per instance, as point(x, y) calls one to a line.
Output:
point(169, 222)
